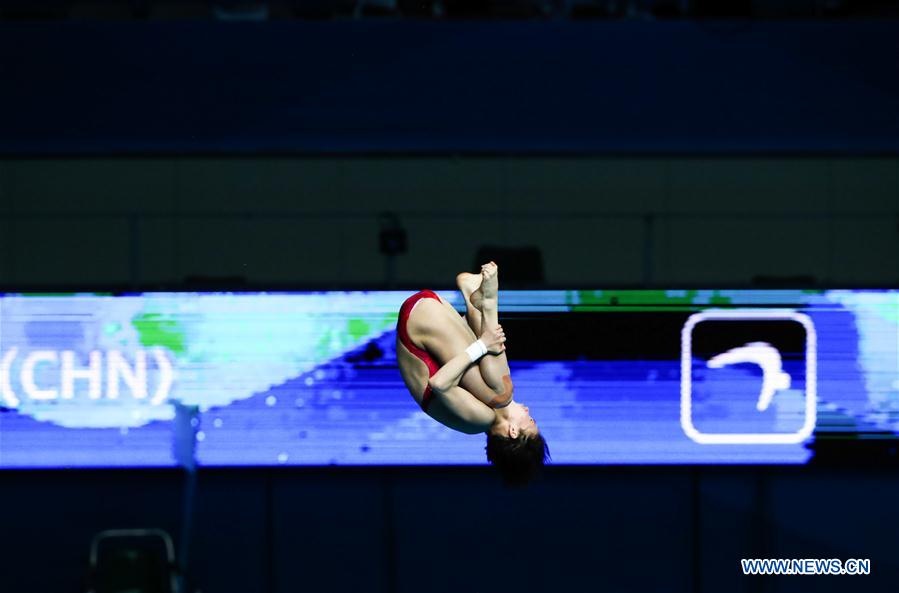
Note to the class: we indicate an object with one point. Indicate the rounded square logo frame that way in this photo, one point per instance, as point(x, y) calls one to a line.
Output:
point(686, 402)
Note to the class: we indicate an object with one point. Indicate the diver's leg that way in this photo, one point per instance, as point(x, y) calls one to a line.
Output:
point(468, 284)
point(493, 367)
point(437, 328)
point(489, 304)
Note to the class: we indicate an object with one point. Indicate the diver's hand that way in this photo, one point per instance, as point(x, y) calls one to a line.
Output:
point(494, 339)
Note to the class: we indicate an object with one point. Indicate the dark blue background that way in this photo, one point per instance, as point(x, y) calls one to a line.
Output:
point(412, 86)
point(396, 530)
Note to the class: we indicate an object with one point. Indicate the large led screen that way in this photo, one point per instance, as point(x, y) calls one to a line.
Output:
point(612, 377)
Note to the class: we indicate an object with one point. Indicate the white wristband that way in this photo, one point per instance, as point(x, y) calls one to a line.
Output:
point(476, 350)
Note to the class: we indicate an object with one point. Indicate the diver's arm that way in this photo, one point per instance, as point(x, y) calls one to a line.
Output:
point(475, 415)
point(449, 375)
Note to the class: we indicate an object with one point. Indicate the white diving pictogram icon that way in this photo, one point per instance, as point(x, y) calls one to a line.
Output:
point(766, 356)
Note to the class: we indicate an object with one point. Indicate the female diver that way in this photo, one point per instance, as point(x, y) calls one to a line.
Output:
point(459, 374)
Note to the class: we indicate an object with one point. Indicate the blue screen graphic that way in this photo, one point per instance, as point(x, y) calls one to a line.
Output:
point(612, 377)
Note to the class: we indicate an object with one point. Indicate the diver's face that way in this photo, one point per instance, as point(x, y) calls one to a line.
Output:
point(520, 417)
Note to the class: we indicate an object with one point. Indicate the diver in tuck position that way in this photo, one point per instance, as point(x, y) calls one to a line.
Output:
point(457, 371)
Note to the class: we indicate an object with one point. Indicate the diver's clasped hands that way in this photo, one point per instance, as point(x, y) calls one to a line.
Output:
point(494, 339)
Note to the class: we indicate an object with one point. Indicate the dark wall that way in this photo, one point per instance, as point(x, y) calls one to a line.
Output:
point(314, 222)
point(387, 86)
point(422, 530)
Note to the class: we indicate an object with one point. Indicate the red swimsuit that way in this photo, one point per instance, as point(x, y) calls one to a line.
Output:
point(422, 355)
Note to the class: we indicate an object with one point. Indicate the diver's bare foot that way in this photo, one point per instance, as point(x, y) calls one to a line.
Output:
point(469, 285)
point(489, 280)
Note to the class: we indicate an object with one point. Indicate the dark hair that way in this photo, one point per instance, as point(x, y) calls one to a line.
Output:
point(518, 460)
